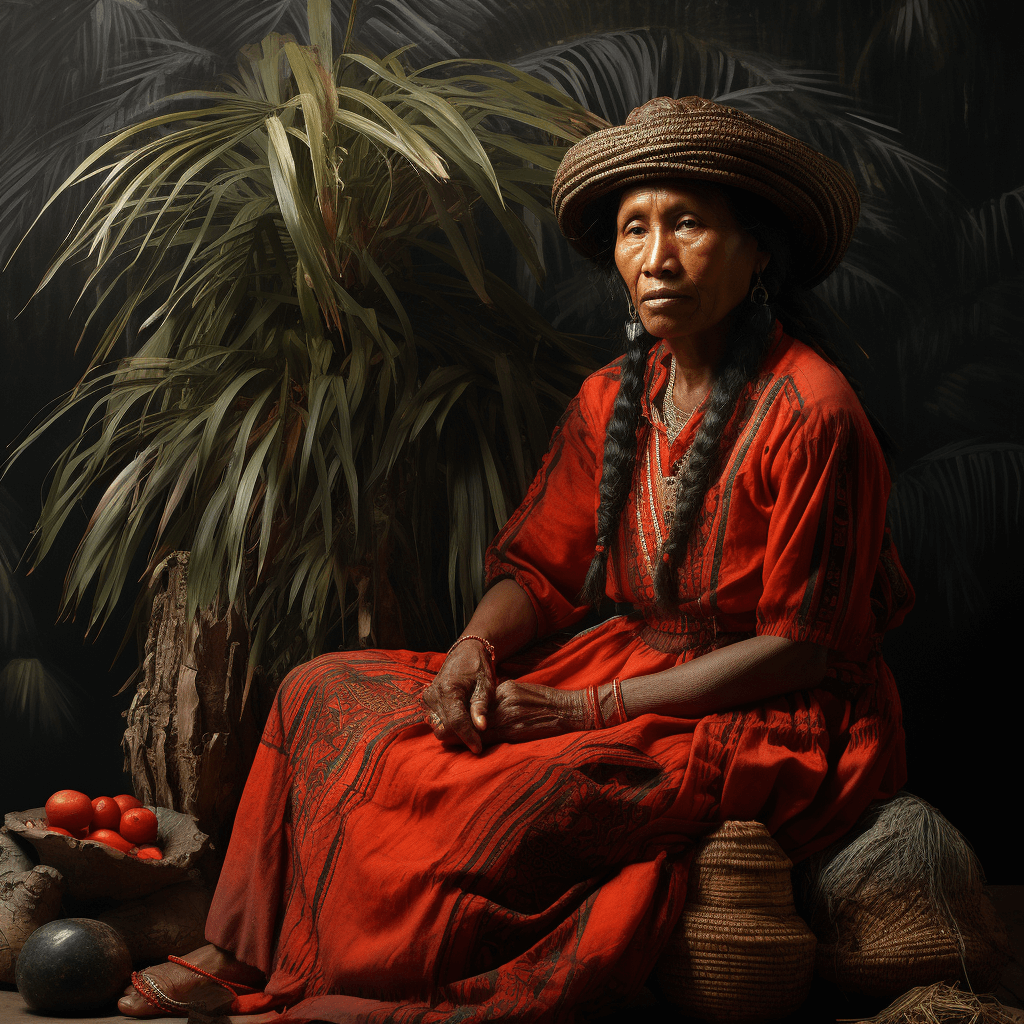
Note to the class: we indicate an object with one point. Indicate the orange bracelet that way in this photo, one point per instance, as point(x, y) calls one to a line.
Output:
point(488, 646)
point(595, 706)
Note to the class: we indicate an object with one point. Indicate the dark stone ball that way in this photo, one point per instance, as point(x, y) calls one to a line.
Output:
point(73, 965)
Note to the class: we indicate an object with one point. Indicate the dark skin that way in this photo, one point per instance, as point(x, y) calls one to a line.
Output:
point(687, 265)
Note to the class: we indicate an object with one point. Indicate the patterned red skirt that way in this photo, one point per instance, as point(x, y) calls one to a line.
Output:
point(375, 875)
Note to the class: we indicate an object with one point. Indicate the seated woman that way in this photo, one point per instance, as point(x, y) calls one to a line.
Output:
point(504, 830)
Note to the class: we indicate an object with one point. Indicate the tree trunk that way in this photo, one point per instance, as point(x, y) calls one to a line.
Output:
point(192, 728)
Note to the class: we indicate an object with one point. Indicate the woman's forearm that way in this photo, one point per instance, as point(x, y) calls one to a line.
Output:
point(505, 617)
point(755, 669)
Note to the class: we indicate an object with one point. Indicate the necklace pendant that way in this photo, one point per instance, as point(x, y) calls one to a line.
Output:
point(670, 489)
point(670, 497)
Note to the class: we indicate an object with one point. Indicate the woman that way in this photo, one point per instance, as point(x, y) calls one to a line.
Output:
point(723, 479)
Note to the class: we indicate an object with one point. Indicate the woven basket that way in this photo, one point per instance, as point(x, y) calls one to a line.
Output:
point(739, 952)
point(899, 943)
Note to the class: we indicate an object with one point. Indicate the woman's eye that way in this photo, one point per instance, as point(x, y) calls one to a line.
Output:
point(687, 223)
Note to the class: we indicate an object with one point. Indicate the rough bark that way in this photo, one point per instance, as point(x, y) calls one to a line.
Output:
point(13, 856)
point(192, 728)
point(28, 899)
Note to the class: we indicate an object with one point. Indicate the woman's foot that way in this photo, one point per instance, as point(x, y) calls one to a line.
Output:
point(174, 983)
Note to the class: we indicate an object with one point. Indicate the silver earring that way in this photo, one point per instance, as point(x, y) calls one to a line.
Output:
point(759, 294)
point(634, 329)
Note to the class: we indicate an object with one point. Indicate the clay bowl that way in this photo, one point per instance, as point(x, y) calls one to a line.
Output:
point(93, 870)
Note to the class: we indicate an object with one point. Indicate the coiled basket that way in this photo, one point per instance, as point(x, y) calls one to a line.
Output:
point(740, 951)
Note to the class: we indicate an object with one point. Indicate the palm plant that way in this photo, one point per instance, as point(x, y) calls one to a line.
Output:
point(326, 357)
point(920, 342)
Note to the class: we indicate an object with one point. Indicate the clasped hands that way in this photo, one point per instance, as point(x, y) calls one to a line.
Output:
point(467, 704)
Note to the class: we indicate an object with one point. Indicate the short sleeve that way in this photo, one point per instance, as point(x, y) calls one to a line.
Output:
point(825, 532)
point(547, 544)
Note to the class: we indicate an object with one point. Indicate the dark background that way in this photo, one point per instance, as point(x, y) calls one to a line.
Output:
point(931, 319)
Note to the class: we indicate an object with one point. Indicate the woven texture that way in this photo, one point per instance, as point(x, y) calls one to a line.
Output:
point(883, 952)
point(899, 903)
point(739, 952)
point(694, 138)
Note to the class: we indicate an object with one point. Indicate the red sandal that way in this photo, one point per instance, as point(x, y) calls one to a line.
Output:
point(155, 996)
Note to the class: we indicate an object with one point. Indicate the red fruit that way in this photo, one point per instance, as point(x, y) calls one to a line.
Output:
point(106, 813)
point(69, 809)
point(150, 853)
point(59, 830)
point(138, 825)
point(109, 838)
point(124, 801)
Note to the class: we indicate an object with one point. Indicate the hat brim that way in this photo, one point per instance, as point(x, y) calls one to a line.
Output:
point(715, 144)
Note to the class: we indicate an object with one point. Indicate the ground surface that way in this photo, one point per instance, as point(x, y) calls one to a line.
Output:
point(823, 1006)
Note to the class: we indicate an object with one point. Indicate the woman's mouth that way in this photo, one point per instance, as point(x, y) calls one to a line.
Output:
point(659, 299)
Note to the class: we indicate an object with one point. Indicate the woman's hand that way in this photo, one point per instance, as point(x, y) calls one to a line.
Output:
point(460, 696)
point(523, 712)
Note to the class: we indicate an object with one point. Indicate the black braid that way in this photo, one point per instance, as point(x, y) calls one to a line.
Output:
point(620, 447)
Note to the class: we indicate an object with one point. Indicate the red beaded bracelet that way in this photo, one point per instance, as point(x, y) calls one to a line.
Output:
point(488, 646)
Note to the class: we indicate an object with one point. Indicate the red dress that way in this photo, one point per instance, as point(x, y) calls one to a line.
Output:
point(375, 875)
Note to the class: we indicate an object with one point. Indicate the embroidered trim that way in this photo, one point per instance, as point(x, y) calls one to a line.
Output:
point(703, 635)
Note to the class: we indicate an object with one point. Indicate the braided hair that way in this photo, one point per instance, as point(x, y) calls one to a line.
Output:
point(619, 458)
point(750, 334)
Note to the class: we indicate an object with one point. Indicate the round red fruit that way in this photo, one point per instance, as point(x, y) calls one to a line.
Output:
point(139, 825)
point(124, 801)
point(69, 809)
point(150, 853)
point(106, 813)
point(109, 838)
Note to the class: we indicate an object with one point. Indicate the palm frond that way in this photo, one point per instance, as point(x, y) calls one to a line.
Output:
point(933, 24)
point(109, 61)
point(15, 614)
point(953, 505)
point(992, 242)
point(37, 698)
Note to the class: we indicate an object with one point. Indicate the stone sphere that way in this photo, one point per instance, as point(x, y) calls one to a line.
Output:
point(72, 965)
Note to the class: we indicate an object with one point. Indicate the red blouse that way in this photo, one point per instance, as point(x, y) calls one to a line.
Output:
point(791, 540)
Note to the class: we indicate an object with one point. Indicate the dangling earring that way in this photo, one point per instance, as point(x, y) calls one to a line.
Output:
point(759, 294)
point(634, 328)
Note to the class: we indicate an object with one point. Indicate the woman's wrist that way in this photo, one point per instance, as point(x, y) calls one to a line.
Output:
point(505, 618)
point(610, 704)
point(478, 641)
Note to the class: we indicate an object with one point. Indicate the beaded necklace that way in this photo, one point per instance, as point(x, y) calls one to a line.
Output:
point(674, 419)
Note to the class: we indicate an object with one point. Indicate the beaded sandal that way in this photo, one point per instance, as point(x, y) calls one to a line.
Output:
point(155, 996)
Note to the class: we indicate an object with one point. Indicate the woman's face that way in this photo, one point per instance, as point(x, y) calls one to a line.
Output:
point(685, 260)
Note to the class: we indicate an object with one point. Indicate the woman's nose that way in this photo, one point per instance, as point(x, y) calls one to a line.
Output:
point(661, 256)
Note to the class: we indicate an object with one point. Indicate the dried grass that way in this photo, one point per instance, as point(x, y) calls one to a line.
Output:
point(941, 1004)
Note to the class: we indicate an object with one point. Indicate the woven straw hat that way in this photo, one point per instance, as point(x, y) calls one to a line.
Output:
point(701, 140)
